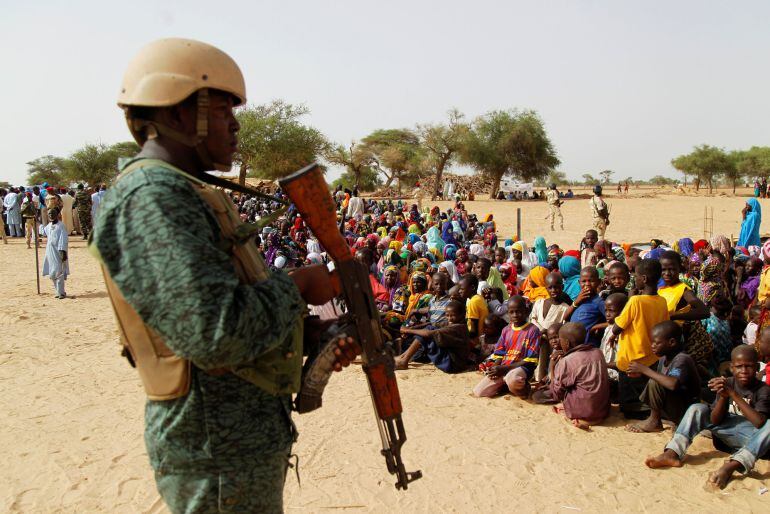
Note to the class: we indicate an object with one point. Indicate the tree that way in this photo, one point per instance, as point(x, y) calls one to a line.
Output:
point(606, 175)
point(442, 142)
point(357, 162)
point(705, 163)
point(754, 162)
point(509, 142)
point(554, 177)
point(395, 153)
point(47, 168)
point(589, 179)
point(97, 163)
point(660, 180)
point(368, 180)
point(273, 142)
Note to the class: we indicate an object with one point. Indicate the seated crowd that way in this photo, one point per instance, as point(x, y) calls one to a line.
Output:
point(671, 334)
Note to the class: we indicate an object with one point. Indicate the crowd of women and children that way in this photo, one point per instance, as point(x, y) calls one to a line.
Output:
point(671, 333)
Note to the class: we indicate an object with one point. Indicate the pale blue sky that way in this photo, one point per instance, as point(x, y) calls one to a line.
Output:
point(620, 85)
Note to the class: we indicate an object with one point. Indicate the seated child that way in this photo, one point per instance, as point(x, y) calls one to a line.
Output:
point(674, 386)
point(446, 347)
point(542, 395)
point(493, 327)
point(736, 419)
point(547, 312)
point(617, 279)
point(580, 378)
point(750, 334)
point(613, 306)
point(718, 327)
point(589, 306)
point(514, 359)
point(633, 326)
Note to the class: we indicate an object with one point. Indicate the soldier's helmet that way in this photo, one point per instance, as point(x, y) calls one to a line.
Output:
point(167, 72)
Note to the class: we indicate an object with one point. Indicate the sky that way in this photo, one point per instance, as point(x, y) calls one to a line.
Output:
point(620, 85)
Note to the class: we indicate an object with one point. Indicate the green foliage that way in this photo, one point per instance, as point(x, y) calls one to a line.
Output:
point(754, 162)
point(660, 180)
point(273, 142)
point(442, 142)
point(97, 163)
point(368, 180)
point(606, 175)
point(509, 142)
point(358, 166)
point(589, 179)
point(705, 163)
point(396, 153)
point(554, 177)
point(4, 184)
point(47, 168)
point(92, 164)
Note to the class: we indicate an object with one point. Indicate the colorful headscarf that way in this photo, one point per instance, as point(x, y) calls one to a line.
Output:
point(686, 247)
point(450, 252)
point(510, 282)
point(721, 244)
point(750, 226)
point(711, 281)
point(434, 239)
point(569, 267)
point(495, 280)
point(535, 289)
point(541, 250)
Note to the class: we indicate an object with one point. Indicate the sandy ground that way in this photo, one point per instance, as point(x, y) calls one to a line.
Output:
point(72, 408)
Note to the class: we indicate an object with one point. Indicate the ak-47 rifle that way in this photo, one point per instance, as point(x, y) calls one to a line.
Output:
point(308, 191)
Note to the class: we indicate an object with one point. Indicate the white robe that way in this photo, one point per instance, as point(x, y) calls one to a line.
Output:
point(66, 213)
point(57, 241)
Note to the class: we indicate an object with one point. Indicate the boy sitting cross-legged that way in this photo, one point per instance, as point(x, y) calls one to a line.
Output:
point(737, 419)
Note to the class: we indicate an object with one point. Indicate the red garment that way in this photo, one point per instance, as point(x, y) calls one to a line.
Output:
point(573, 253)
point(700, 245)
point(510, 282)
point(380, 291)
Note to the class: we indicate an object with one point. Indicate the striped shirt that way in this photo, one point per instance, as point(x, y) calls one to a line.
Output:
point(518, 344)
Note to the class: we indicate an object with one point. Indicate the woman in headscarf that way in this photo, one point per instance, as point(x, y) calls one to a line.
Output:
point(450, 252)
point(414, 228)
point(448, 268)
point(686, 247)
point(434, 239)
point(461, 262)
point(419, 248)
point(721, 244)
point(495, 280)
point(476, 249)
point(390, 280)
point(541, 251)
point(447, 233)
point(489, 222)
point(554, 254)
point(535, 289)
point(314, 258)
point(490, 238)
point(712, 281)
point(752, 218)
point(509, 276)
point(569, 267)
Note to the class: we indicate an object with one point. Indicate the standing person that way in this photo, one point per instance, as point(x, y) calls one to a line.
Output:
point(752, 218)
point(83, 204)
point(96, 200)
point(226, 329)
point(599, 212)
point(2, 216)
point(56, 264)
point(29, 214)
point(355, 207)
point(75, 217)
point(13, 213)
point(554, 206)
point(66, 211)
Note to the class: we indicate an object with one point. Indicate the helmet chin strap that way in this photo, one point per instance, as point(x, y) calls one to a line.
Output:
point(145, 129)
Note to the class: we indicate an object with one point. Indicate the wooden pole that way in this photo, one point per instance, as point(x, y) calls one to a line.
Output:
point(37, 257)
point(518, 223)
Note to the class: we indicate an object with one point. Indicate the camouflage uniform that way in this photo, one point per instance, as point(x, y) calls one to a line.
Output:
point(552, 197)
point(226, 444)
point(83, 204)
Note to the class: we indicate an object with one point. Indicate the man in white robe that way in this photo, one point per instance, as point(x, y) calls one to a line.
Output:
point(56, 264)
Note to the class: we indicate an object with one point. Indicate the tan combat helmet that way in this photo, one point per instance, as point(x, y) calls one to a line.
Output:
point(168, 71)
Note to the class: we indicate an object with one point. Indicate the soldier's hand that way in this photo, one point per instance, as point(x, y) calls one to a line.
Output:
point(346, 352)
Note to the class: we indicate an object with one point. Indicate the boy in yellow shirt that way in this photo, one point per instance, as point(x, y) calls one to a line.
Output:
point(632, 334)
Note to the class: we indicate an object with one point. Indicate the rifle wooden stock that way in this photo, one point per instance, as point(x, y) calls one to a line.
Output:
point(308, 191)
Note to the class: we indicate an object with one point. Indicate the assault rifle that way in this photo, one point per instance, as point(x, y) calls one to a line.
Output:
point(308, 191)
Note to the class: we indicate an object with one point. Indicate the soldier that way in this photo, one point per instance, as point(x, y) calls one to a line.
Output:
point(83, 205)
point(215, 336)
point(599, 212)
point(554, 204)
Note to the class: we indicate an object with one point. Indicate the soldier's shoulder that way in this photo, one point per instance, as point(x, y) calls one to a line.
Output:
point(148, 175)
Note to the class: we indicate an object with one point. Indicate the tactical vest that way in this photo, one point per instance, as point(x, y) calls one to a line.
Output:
point(166, 376)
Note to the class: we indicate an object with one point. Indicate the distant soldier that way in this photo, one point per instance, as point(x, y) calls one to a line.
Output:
point(554, 204)
point(83, 205)
point(599, 212)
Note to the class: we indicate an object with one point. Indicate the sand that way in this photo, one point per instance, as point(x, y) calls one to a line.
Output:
point(72, 422)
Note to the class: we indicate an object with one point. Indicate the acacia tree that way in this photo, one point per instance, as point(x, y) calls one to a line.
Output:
point(97, 163)
point(509, 142)
point(754, 162)
point(705, 163)
point(442, 143)
point(395, 153)
point(589, 179)
point(606, 175)
point(47, 168)
point(357, 162)
point(273, 142)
